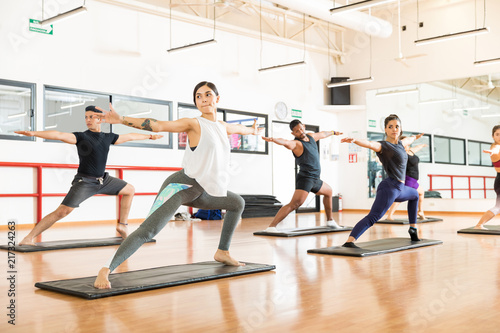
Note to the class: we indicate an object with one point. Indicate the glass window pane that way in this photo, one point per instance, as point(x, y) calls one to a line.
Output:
point(424, 153)
point(485, 158)
point(457, 149)
point(190, 111)
point(441, 150)
point(15, 110)
point(247, 143)
point(376, 171)
point(65, 109)
point(474, 153)
point(143, 108)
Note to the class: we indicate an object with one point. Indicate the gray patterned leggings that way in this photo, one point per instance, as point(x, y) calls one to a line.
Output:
point(179, 189)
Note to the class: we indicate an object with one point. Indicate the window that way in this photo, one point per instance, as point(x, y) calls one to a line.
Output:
point(449, 150)
point(476, 155)
point(252, 144)
point(247, 143)
point(65, 109)
point(376, 172)
point(190, 111)
point(143, 108)
point(424, 154)
point(17, 104)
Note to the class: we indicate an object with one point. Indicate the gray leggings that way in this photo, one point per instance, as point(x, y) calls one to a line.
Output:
point(177, 190)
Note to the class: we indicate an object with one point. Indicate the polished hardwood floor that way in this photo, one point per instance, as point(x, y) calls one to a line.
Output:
point(453, 287)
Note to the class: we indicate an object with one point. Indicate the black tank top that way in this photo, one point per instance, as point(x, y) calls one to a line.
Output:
point(309, 160)
point(393, 158)
point(412, 166)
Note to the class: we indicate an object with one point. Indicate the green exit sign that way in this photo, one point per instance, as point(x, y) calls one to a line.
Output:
point(36, 27)
point(296, 113)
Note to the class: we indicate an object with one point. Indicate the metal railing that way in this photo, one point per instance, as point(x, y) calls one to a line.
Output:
point(453, 188)
point(39, 195)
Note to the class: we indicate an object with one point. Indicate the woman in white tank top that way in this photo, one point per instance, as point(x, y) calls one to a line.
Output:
point(202, 182)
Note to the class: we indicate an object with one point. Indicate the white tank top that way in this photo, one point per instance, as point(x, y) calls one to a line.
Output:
point(209, 162)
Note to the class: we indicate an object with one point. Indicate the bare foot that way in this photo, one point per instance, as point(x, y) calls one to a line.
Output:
point(122, 229)
point(421, 216)
point(389, 218)
point(27, 241)
point(225, 258)
point(101, 281)
point(480, 226)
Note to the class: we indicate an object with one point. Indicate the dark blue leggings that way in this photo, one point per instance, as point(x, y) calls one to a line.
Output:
point(388, 191)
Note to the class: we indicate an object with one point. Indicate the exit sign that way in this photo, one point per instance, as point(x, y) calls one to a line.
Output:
point(36, 27)
point(296, 113)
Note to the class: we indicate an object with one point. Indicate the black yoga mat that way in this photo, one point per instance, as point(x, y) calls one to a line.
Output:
point(405, 221)
point(490, 230)
point(152, 278)
point(67, 244)
point(380, 246)
point(300, 231)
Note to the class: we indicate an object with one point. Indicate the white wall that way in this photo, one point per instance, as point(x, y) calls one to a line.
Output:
point(446, 60)
point(115, 50)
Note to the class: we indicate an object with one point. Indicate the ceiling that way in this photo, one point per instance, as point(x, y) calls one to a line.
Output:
point(292, 26)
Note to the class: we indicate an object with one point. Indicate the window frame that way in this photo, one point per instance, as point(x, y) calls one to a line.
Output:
point(152, 101)
point(32, 87)
point(224, 118)
point(449, 149)
point(480, 152)
point(111, 96)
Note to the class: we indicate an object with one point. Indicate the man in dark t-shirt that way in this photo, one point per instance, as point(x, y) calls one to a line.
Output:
point(305, 151)
point(91, 178)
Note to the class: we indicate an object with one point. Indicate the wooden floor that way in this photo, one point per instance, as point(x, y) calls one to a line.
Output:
point(453, 287)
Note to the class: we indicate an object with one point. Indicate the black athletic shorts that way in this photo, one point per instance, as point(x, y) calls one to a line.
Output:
point(308, 184)
point(83, 188)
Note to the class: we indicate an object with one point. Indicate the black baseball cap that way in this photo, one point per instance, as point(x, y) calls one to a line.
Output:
point(93, 109)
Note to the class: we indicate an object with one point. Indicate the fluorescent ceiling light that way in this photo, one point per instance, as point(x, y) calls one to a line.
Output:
point(349, 82)
point(433, 101)
point(397, 92)
point(484, 107)
point(292, 64)
point(51, 126)
point(139, 113)
point(359, 6)
point(57, 114)
point(490, 115)
point(487, 62)
point(190, 46)
point(72, 105)
point(63, 16)
point(17, 115)
point(455, 35)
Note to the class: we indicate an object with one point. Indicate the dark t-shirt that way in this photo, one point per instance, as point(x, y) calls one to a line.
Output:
point(412, 166)
point(394, 158)
point(93, 148)
point(309, 160)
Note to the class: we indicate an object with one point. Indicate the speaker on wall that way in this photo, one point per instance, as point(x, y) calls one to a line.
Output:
point(340, 95)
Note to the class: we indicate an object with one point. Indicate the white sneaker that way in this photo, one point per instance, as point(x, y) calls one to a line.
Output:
point(271, 229)
point(332, 224)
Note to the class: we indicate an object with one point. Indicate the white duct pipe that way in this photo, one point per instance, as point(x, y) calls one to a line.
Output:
point(354, 20)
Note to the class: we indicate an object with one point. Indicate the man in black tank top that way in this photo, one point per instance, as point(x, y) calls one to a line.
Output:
point(93, 147)
point(305, 150)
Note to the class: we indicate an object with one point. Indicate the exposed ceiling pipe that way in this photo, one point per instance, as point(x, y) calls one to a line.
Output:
point(354, 20)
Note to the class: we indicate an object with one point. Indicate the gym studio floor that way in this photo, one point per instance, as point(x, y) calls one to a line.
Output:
point(453, 287)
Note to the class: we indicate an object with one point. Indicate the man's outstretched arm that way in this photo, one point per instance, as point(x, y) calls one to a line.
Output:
point(289, 144)
point(51, 135)
point(324, 134)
